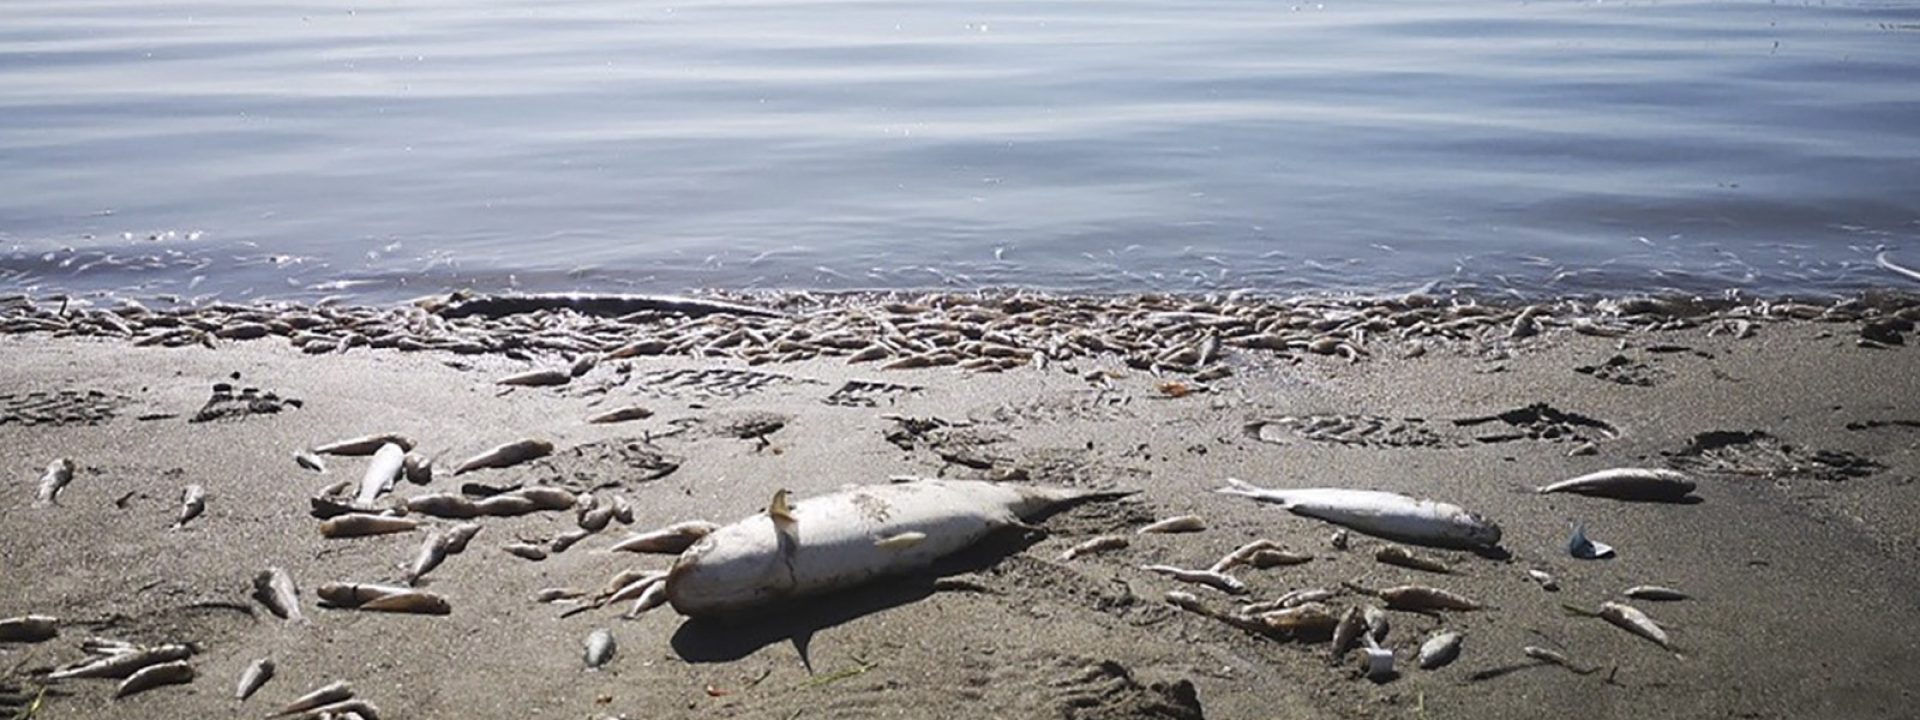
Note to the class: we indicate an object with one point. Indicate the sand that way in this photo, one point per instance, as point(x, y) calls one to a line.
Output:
point(1798, 552)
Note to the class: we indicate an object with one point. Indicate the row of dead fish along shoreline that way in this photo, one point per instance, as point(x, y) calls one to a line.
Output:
point(986, 332)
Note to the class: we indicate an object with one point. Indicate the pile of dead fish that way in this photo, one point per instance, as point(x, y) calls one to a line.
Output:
point(986, 331)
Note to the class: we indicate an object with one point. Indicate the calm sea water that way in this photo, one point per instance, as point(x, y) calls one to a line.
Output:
point(261, 148)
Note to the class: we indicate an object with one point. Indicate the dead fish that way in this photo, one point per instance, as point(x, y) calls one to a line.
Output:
point(1630, 619)
point(361, 525)
point(649, 599)
point(583, 365)
point(1418, 598)
point(347, 595)
point(547, 595)
point(567, 539)
point(537, 378)
point(1189, 602)
point(1627, 484)
point(309, 461)
point(432, 553)
point(381, 472)
point(1241, 554)
point(123, 664)
point(29, 629)
point(670, 540)
point(414, 602)
point(58, 474)
point(626, 578)
point(1181, 524)
point(1377, 623)
point(1311, 620)
point(597, 518)
point(508, 505)
point(1581, 547)
point(153, 676)
point(1656, 593)
point(600, 647)
point(365, 445)
point(1383, 514)
point(634, 589)
point(507, 455)
point(334, 692)
point(1397, 555)
point(624, 414)
point(1340, 539)
point(524, 550)
point(443, 505)
point(273, 587)
point(1555, 657)
point(459, 535)
point(193, 501)
point(417, 469)
point(1439, 650)
point(1218, 581)
point(1271, 558)
point(1545, 579)
point(622, 510)
point(256, 675)
point(344, 710)
point(1099, 544)
point(1347, 633)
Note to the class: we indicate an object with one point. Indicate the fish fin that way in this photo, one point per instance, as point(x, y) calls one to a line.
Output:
point(778, 509)
point(901, 541)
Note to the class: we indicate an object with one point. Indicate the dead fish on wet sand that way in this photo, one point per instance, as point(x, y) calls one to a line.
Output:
point(670, 540)
point(381, 472)
point(618, 415)
point(1181, 524)
point(1384, 514)
point(1260, 554)
point(273, 587)
point(537, 378)
point(383, 598)
point(507, 455)
point(193, 501)
point(1216, 580)
point(153, 676)
point(125, 662)
point(1095, 545)
point(600, 647)
point(1555, 657)
point(1630, 619)
point(846, 538)
point(1439, 650)
point(361, 525)
point(329, 694)
point(365, 445)
point(1396, 555)
point(256, 675)
point(1627, 484)
point(29, 629)
point(1656, 593)
point(1418, 598)
point(58, 474)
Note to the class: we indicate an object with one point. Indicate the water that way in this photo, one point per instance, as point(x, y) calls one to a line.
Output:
point(267, 149)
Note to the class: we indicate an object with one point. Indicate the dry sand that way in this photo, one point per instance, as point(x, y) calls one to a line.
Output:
point(1799, 552)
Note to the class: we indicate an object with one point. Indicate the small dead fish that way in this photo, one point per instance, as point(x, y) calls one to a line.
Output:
point(1099, 544)
point(670, 540)
point(506, 505)
point(29, 629)
point(193, 501)
point(1397, 555)
point(443, 505)
point(1419, 598)
point(1545, 579)
point(381, 472)
point(432, 553)
point(1656, 593)
point(343, 710)
point(547, 595)
point(1181, 524)
point(414, 602)
point(1555, 657)
point(1311, 620)
point(1189, 602)
point(617, 415)
point(417, 469)
point(59, 473)
point(583, 365)
point(1377, 623)
point(597, 518)
point(256, 675)
point(1347, 633)
point(567, 539)
point(347, 595)
point(525, 550)
point(153, 676)
point(546, 497)
point(635, 588)
point(365, 445)
point(626, 578)
point(1627, 484)
point(309, 461)
point(123, 664)
point(622, 510)
point(537, 378)
point(1240, 555)
point(1630, 619)
point(361, 525)
point(334, 692)
point(1439, 650)
point(1218, 581)
point(600, 647)
point(459, 535)
point(507, 455)
point(1271, 558)
point(273, 587)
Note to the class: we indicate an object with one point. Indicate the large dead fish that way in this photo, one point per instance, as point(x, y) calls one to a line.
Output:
point(381, 473)
point(1627, 484)
point(507, 455)
point(849, 537)
point(1384, 514)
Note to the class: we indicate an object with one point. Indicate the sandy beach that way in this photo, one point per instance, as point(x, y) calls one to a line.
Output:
point(1799, 423)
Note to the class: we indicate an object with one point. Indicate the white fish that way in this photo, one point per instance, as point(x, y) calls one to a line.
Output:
point(361, 524)
point(1655, 592)
point(1098, 544)
point(1216, 580)
point(1439, 650)
point(1384, 514)
point(623, 414)
point(193, 501)
point(600, 647)
point(273, 587)
point(507, 455)
point(1583, 548)
point(256, 675)
point(1181, 524)
point(366, 445)
point(537, 378)
point(338, 691)
point(123, 664)
point(1627, 484)
point(839, 540)
point(381, 473)
point(153, 676)
point(59, 473)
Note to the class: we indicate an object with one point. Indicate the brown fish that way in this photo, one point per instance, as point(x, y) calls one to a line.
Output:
point(443, 505)
point(1347, 633)
point(1397, 555)
point(361, 525)
point(504, 505)
point(365, 445)
point(670, 540)
point(459, 535)
point(537, 378)
point(1419, 598)
point(1099, 544)
point(624, 414)
point(507, 455)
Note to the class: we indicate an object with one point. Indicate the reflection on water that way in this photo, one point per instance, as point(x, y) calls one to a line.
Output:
point(257, 148)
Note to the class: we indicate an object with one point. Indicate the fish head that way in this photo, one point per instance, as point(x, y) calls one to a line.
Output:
point(732, 568)
point(1482, 531)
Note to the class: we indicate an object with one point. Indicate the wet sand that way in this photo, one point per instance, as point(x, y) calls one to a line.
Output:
point(1798, 552)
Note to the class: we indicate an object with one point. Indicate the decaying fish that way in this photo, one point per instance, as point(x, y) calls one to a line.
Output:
point(366, 445)
point(600, 647)
point(193, 501)
point(1656, 593)
point(622, 510)
point(1397, 555)
point(1181, 524)
point(251, 679)
point(273, 587)
point(1630, 619)
point(597, 518)
point(417, 469)
point(1310, 621)
point(507, 455)
point(1095, 545)
point(58, 474)
point(381, 472)
point(432, 553)
point(361, 525)
point(525, 550)
point(634, 588)
point(505, 505)
point(670, 540)
point(567, 539)
point(343, 710)
point(1384, 514)
point(383, 598)
point(1377, 623)
point(1439, 650)
point(1261, 554)
point(1419, 598)
point(443, 505)
point(1627, 484)
point(1216, 580)
point(334, 692)
point(1555, 657)
point(1347, 633)
point(1293, 598)
point(547, 497)
point(624, 414)
point(153, 676)
point(29, 629)
point(844, 539)
point(124, 663)
point(556, 594)
point(459, 535)
point(309, 461)
point(537, 378)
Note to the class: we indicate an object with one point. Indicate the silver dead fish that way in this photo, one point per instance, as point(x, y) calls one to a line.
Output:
point(29, 629)
point(1656, 593)
point(334, 692)
point(256, 675)
point(507, 455)
point(381, 472)
point(1383, 514)
point(365, 445)
point(361, 525)
point(193, 501)
point(153, 676)
point(1181, 524)
point(1627, 484)
point(624, 414)
point(1630, 619)
point(273, 587)
point(58, 474)
point(600, 647)
point(1439, 650)
point(1216, 580)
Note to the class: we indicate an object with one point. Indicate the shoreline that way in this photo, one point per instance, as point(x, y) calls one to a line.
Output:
point(1801, 436)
